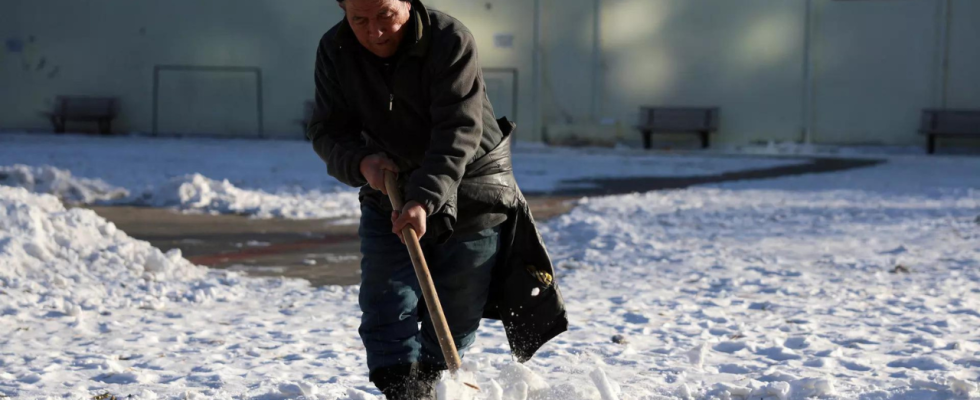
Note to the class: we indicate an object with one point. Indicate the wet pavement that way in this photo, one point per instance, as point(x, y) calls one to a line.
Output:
point(326, 252)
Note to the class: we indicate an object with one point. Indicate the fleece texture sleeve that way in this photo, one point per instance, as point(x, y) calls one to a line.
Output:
point(333, 129)
point(457, 95)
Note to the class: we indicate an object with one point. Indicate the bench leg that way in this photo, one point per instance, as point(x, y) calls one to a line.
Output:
point(932, 144)
point(104, 127)
point(704, 140)
point(59, 125)
point(647, 140)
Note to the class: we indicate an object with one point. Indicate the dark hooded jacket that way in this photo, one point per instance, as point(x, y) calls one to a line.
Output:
point(427, 109)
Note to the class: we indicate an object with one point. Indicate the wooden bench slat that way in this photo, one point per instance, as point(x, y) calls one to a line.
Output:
point(84, 108)
point(948, 122)
point(700, 120)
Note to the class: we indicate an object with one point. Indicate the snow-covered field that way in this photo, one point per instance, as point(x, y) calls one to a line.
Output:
point(865, 284)
point(859, 284)
point(272, 178)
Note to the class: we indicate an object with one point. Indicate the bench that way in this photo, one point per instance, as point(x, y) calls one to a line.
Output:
point(949, 123)
point(307, 116)
point(80, 108)
point(702, 121)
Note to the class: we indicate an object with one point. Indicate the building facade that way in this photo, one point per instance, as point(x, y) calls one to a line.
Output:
point(823, 71)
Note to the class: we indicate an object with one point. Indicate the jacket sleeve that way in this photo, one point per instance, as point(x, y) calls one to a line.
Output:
point(333, 129)
point(457, 95)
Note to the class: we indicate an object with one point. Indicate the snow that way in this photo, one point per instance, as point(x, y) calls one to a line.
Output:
point(197, 193)
point(83, 302)
point(796, 148)
point(47, 179)
point(277, 179)
point(780, 289)
point(784, 280)
point(550, 169)
point(606, 389)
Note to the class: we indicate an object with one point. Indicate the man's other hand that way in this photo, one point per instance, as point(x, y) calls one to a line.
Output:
point(373, 168)
point(413, 214)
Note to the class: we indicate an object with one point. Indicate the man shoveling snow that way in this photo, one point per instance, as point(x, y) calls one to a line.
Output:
point(399, 88)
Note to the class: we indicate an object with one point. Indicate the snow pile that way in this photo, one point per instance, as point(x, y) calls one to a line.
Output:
point(70, 279)
point(782, 390)
point(195, 192)
point(73, 260)
point(189, 193)
point(274, 178)
point(59, 182)
point(518, 382)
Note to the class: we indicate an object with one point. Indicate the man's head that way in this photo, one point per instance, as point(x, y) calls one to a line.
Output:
point(378, 24)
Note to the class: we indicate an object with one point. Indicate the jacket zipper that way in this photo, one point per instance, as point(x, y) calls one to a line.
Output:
point(388, 83)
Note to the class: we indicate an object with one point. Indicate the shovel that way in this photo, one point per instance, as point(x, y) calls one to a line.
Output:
point(425, 282)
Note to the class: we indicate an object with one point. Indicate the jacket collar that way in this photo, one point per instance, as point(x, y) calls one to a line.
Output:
point(344, 39)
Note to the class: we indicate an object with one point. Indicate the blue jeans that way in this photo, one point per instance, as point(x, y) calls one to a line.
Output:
point(390, 297)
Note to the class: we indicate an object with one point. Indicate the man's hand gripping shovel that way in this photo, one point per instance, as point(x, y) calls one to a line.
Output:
point(425, 283)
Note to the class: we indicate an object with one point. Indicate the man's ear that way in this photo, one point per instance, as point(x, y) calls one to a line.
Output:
point(341, 5)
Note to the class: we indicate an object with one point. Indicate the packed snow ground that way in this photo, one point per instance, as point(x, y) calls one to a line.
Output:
point(275, 178)
point(865, 282)
point(860, 284)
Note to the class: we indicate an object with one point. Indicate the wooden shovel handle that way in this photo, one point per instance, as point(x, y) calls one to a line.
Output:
point(425, 280)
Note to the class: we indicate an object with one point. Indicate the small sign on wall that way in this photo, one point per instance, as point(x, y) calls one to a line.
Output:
point(503, 40)
point(15, 45)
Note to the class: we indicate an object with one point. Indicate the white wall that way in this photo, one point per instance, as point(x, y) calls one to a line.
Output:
point(964, 59)
point(876, 63)
point(111, 48)
point(567, 60)
point(875, 66)
point(502, 17)
point(743, 56)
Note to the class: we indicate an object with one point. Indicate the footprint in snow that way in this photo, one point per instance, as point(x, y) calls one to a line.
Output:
point(855, 366)
point(779, 354)
point(729, 346)
point(734, 369)
point(925, 363)
point(634, 318)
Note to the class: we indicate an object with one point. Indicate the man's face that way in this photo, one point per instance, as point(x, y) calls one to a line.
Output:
point(378, 24)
